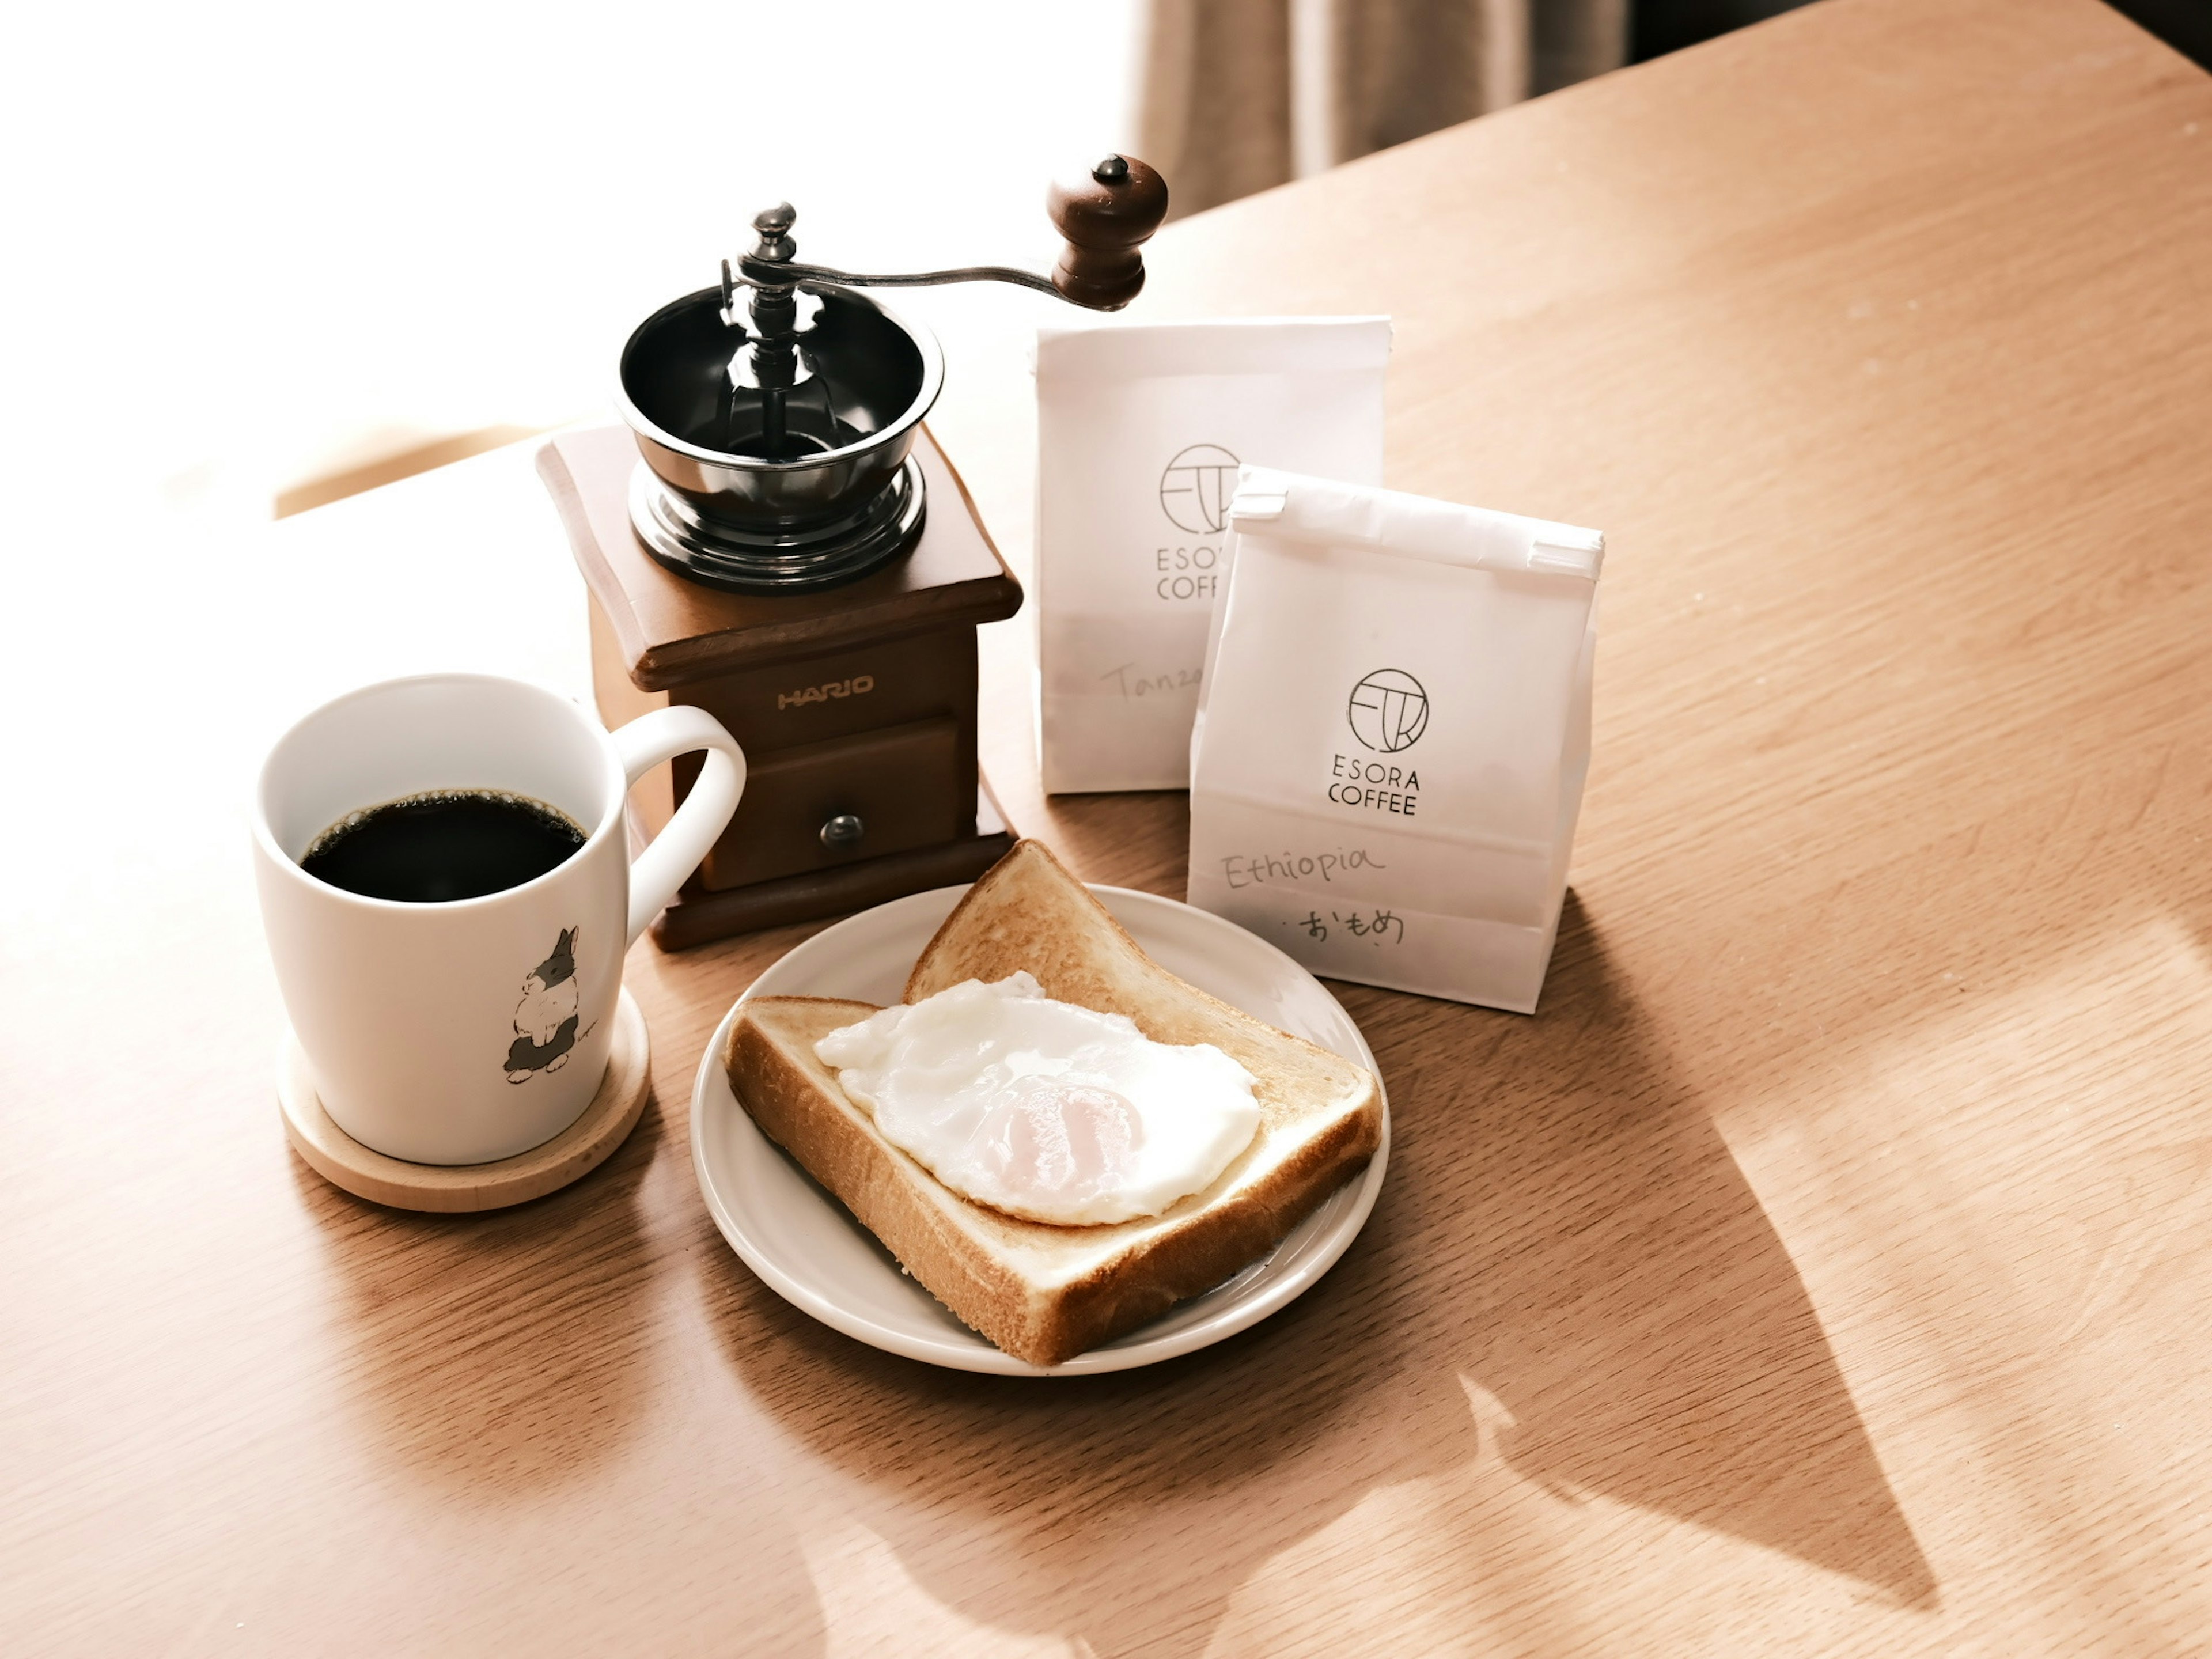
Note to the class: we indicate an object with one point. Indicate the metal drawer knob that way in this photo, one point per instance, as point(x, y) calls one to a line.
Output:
point(842, 831)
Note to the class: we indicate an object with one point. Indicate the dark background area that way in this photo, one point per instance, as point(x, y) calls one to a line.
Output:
point(1665, 26)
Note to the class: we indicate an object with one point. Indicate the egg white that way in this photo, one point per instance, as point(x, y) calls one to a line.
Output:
point(1044, 1110)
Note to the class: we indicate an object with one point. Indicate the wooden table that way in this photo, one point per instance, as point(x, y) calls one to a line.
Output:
point(1828, 1267)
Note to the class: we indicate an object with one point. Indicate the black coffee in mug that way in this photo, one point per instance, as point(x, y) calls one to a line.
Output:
point(445, 844)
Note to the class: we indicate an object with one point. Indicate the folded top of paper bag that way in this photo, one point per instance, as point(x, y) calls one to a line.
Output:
point(1113, 350)
point(1411, 526)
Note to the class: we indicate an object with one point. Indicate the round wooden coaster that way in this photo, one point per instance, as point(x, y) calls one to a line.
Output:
point(456, 1188)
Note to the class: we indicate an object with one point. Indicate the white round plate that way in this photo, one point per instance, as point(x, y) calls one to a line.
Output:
point(808, 1248)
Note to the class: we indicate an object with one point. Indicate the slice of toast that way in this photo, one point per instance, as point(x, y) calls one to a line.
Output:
point(1045, 1293)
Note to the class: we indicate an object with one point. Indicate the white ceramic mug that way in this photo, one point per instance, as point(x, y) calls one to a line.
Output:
point(432, 1028)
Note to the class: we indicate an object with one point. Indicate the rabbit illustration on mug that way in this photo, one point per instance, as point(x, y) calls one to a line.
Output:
point(545, 1022)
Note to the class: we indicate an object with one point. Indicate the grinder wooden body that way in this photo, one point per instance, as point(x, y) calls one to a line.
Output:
point(855, 705)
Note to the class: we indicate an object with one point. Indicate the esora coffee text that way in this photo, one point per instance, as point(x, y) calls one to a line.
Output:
point(1374, 785)
point(1186, 572)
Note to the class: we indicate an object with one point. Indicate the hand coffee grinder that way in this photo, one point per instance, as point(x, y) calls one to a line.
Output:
point(794, 555)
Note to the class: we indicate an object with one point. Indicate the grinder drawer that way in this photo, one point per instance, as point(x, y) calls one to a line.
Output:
point(821, 805)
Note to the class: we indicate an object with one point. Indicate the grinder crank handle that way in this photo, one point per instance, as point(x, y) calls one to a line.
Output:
point(1105, 217)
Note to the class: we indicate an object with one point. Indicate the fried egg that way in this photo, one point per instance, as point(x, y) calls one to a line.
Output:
point(1044, 1109)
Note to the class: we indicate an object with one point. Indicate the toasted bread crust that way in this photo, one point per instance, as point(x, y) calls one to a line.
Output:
point(1045, 1293)
point(800, 1109)
point(1216, 1241)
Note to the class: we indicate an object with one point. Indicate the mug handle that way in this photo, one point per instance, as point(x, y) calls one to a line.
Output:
point(677, 850)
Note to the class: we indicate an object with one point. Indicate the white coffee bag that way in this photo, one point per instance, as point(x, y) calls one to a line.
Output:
point(1393, 735)
point(1141, 429)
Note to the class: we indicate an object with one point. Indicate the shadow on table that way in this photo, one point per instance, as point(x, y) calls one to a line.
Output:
point(506, 1386)
point(1628, 1302)
point(1563, 1234)
point(499, 1353)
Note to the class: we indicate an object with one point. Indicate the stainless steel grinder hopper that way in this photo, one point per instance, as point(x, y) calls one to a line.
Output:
point(776, 414)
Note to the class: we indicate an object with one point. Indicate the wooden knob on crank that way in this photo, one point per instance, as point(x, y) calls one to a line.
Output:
point(1106, 213)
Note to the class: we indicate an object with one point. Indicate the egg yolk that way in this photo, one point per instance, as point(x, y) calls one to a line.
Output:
point(1048, 1137)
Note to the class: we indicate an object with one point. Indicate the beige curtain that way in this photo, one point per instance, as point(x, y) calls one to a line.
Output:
point(1239, 95)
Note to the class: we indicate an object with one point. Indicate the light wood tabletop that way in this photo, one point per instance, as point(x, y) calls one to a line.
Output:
point(1825, 1268)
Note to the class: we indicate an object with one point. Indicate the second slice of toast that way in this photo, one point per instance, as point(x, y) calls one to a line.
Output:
point(1042, 1292)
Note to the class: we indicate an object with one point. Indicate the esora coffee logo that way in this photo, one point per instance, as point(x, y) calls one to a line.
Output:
point(1196, 489)
point(1389, 711)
